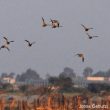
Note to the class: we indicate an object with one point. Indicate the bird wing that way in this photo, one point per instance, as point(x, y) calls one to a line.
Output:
point(83, 26)
point(82, 59)
point(95, 36)
point(33, 42)
point(27, 41)
point(51, 20)
point(55, 21)
point(11, 41)
point(42, 19)
point(0, 47)
point(60, 25)
point(88, 34)
point(91, 28)
point(77, 54)
point(7, 48)
point(5, 39)
point(44, 23)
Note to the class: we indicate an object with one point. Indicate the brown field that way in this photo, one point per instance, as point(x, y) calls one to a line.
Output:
point(54, 102)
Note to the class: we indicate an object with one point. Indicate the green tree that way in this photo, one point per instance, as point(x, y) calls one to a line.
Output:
point(68, 73)
point(4, 75)
point(100, 74)
point(87, 71)
point(11, 75)
point(53, 80)
point(28, 75)
point(66, 84)
point(23, 88)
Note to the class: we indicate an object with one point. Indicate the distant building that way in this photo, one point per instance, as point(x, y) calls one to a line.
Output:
point(98, 79)
point(81, 82)
point(8, 80)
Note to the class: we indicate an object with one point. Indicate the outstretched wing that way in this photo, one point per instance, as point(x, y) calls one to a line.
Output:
point(33, 42)
point(95, 36)
point(51, 20)
point(83, 26)
point(82, 59)
point(77, 54)
point(12, 41)
point(27, 41)
point(44, 24)
point(91, 28)
point(1, 47)
point(7, 48)
point(5, 39)
point(43, 19)
point(54, 21)
point(88, 35)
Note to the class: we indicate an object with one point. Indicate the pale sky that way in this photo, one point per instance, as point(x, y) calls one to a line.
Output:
point(54, 48)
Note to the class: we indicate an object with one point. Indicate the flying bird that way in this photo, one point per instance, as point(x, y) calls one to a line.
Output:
point(5, 46)
point(7, 41)
point(30, 44)
point(86, 28)
point(44, 24)
point(90, 37)
point(55, 23)
point(81, 56)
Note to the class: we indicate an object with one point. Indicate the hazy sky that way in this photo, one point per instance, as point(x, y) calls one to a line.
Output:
point(54, 48)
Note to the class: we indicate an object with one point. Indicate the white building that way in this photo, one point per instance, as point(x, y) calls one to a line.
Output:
point(8, 80)
point(98, 79)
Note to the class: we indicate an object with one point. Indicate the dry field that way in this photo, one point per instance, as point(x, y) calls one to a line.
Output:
point(54, 102)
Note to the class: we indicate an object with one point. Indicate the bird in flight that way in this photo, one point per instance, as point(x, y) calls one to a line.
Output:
point(90, 37)
point(81, 56)
point(55, 23)
point(30, 44)
point(7, 41)
point(5, 46)
point(86, 28)
point(44, 24)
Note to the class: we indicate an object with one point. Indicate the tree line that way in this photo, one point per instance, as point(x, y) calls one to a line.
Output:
point(64, 80)
point(31, 74)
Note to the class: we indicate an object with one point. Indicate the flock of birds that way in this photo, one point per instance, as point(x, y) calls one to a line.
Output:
point(7, 43)
point(54, 24)
point(86, 29)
